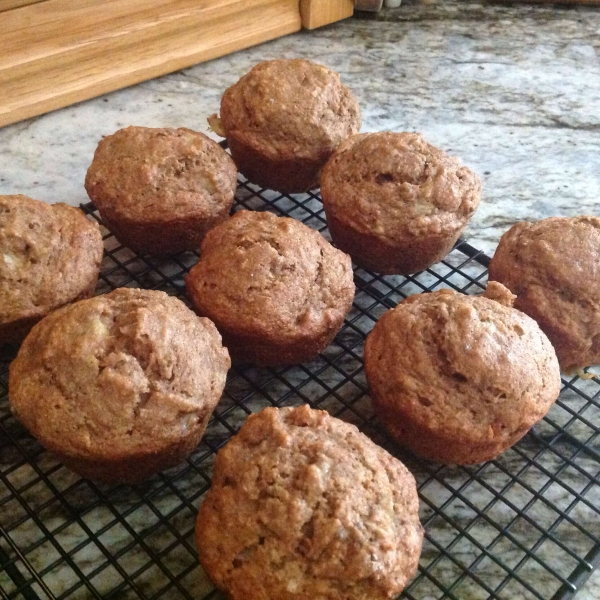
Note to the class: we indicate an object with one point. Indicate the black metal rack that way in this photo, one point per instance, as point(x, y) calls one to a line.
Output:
point(525, 525)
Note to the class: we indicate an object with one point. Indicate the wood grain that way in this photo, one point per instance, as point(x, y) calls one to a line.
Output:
point(59, 52)
point(316, 13)
point(10, 4)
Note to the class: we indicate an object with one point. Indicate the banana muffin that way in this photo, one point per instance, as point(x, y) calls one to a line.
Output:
point(282, 121)
point(303, 505)
point(396, 203)
point(276, 289)
point(50, 255)
point(553, 266)
point(160, 190)
point(459, 379)
point(119, 386)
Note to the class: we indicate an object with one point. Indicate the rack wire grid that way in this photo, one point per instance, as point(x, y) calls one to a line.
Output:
point(525, 525)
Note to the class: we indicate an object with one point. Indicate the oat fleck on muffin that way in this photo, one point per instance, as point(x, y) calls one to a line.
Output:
point(283, 120)
point(553, 266)
point(459, 379)
point(160, 190)
point(50, 255)
point(276, 289)
point(396, 203)
point(302, 505)
point(120, 386)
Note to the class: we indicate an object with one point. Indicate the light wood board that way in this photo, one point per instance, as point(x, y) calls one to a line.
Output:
point(58, 52)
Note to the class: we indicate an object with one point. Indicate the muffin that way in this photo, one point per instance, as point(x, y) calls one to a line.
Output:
point(459, 379)
point(276, 289)
point(119, 386)
point(396, 203)
point(160, 190)
point(302, 505)
point(50, 255)
point(282, 121)
point(554, 268)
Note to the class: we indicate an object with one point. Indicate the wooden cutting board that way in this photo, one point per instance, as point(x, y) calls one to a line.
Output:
point(54, 53)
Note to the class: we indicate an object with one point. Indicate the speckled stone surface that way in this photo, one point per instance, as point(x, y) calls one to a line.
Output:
point(513, 90)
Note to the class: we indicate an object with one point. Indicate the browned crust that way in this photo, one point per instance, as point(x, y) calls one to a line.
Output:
point(121, 385)
point(276, 289)
point(374, 253)
point(50, 256)
point(159, 190)
point(283, 120)
point(286, 174)
point(14, 332)
point(459, 379)
point(168, 237)
point(304, 506)
point(396, 203)
point(138, 467)
point(552, 267)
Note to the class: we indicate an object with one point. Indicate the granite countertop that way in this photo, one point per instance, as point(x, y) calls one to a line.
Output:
point(513, 90)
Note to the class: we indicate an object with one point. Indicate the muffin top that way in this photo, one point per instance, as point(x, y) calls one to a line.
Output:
point(465, 366)
point(118, 374)
point(49, 254)
point(302, 505)
point(271, 276)
point(397, 185)
point(553, 266)
point(290, 107)
point(146, 174)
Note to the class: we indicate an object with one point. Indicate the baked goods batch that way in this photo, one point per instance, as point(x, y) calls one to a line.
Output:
point(123, 385)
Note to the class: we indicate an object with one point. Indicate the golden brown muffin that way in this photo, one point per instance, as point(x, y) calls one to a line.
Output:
point(396, 203)
point(459, 379)
point(160, 190)
point(304, 506)
point(50, 255)
point(119, 386)
point(283, 120)
point(554, 268)
point(276, 289)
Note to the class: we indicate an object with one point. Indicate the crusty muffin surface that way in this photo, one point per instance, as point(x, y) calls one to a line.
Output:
point(459, 379)
point(283, 120)
point(395, 202)
point(50, 255)
point(553, 266)
point(276, 289)
point(302, 505)
point(117, 384)
point(290, 106)
point(159, 189)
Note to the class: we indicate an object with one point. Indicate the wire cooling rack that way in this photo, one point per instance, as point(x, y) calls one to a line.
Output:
point(525, 525)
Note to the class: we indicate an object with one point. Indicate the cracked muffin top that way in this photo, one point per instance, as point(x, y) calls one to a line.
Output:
point(303, 505)
point(397, 185)
point(119, 374)
point(152, 174)
point(553, 266)
point(290, 108)
point(469, 369)
point(49, 255)
point(270, 276)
